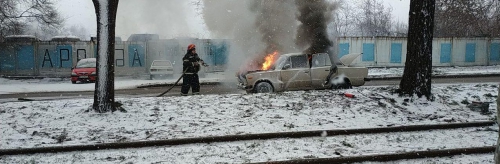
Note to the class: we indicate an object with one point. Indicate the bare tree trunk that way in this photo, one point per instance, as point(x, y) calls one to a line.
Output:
point(497, 151)
point(418, 67)
point(104, 97)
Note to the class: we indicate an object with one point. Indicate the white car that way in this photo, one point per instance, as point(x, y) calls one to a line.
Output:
point(161, 68)
point(299, 71)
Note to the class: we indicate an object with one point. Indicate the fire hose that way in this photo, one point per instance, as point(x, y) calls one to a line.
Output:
point(177, 82)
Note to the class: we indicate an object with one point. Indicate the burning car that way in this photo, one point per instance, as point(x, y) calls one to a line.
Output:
point(299, 71)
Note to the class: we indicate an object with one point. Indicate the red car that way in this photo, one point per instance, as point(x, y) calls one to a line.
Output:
point(85, 71)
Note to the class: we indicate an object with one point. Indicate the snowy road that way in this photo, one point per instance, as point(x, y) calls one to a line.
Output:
point(223, 88)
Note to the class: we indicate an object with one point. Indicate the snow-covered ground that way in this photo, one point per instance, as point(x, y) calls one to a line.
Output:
point(42, 123)
point(39, 124)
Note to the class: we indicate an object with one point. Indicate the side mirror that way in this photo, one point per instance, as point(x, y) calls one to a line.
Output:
point(72, 68)
point(287, 66)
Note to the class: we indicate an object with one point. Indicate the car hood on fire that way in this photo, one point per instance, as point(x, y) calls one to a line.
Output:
point(349, 58)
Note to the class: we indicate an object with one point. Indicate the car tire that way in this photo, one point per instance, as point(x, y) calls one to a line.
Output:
point(346, 85)
point(74, 82)
point(263, 87)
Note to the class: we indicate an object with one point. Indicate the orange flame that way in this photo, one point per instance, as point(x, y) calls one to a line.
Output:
point(269, 60)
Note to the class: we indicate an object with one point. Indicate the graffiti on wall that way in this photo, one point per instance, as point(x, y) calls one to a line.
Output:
point(60, 58)
point(136, 55)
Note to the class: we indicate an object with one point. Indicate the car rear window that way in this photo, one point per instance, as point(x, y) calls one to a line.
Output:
point(162, 63)
point(86, 64)
point(321, 60)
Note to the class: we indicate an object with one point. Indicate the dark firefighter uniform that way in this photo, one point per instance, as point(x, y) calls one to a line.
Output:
point(191, 66)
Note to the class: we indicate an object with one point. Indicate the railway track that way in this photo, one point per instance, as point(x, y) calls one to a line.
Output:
point(288, 135)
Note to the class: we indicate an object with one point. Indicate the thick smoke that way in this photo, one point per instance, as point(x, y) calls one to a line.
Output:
point(276, 24)
point(314, 15)
point(168, 18)
point(256, 27)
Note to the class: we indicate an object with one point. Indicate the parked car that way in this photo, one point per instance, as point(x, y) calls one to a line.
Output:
point(161, 68)
point(84, 71)
point(299, 71)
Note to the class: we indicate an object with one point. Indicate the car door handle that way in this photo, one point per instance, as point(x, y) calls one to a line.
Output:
point(306, 71)
point(327, 70)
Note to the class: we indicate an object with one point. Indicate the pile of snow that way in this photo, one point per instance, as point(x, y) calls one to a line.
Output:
point(57, 123)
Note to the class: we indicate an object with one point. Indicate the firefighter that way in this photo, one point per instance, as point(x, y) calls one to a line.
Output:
point(191, 66)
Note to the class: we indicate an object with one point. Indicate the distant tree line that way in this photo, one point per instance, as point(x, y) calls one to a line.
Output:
point(39, 18)
point(453, 18)
point(467, 18)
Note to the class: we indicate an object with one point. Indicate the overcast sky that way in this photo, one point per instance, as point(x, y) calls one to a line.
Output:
point(81, 13)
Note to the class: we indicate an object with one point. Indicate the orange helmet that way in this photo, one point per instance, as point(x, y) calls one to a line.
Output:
point(191, 47)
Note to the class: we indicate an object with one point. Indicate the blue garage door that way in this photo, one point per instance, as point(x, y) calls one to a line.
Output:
point(445, 56)
point(218, 54)
point(343, 49)
point(495, 52)
point(396, 52)
point(7, 60)
point(26, 58)
point(368, 52)
point(470, 52)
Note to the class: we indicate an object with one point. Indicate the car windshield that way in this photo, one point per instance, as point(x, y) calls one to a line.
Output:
point(279, 63)
point(86, 64)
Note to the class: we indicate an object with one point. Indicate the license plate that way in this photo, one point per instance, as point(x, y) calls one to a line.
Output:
point(84, 77)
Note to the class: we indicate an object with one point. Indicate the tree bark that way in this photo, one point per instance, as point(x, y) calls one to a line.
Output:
point(418, 66)
point(497, 151)
point(104, 97)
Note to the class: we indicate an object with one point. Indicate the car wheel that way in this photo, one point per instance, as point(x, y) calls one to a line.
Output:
point(74, 82)
point(264, 87)
point(346, 85)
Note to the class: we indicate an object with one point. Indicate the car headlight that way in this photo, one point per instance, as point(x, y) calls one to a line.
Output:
point(93, 73)
point(73, 73)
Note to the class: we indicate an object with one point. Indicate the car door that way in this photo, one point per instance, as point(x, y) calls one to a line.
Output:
point(320, 69)
point(296, 74)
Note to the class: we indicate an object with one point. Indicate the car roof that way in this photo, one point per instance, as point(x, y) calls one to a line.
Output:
point(297, 54)
point(293, 54)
